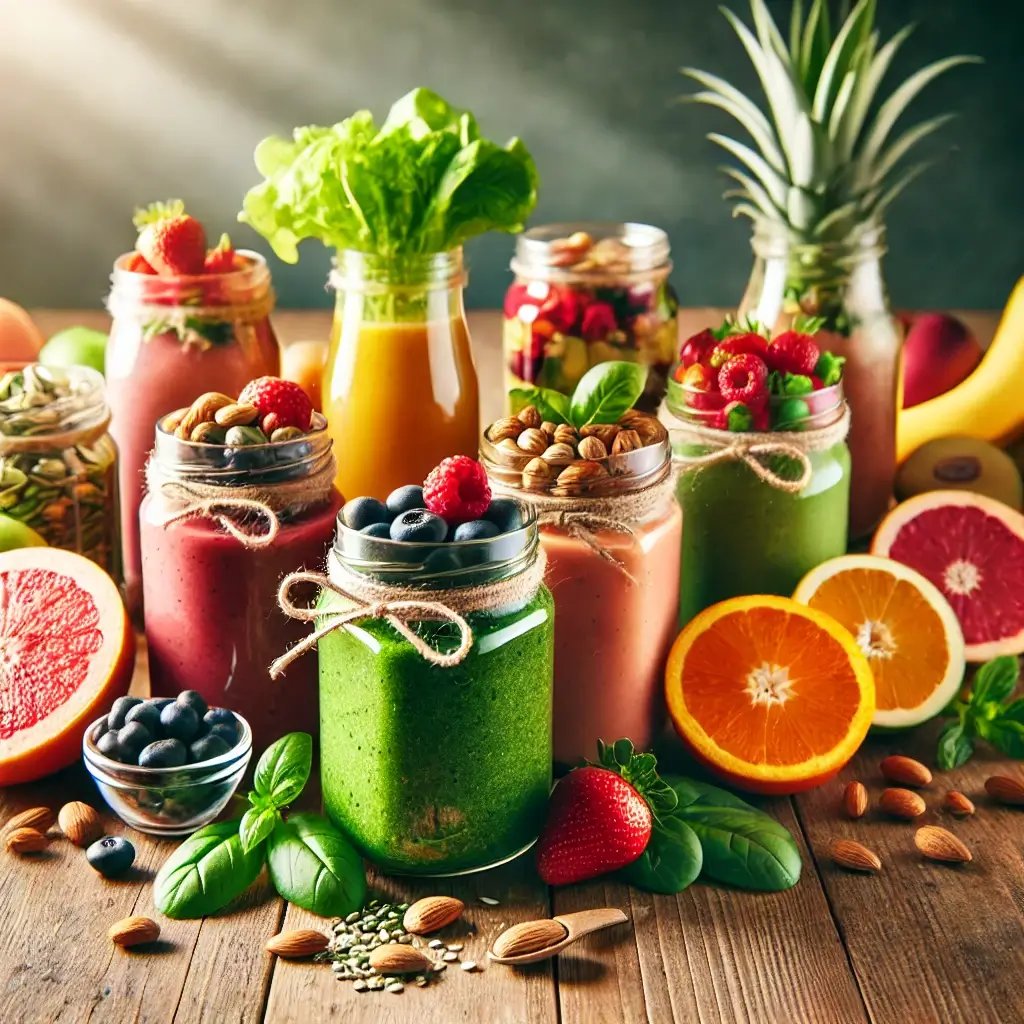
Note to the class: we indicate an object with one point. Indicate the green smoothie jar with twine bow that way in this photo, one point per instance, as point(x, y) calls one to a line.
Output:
point(435, 665)
point(758, 427)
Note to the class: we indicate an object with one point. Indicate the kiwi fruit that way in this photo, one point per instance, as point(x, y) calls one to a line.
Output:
point(961, 464)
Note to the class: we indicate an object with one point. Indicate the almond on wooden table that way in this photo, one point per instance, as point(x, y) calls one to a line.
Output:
point(1006, 790)
point(134, 931)
point(854, 857)
point(431, 914)
point(855, 799)
point(901, 803)
point(394, 958)
point(25, 840)
point(905, 771)
point(39, 818)
point(296, 944)
point(80, 823)
point(956, 803)
point(937, 843)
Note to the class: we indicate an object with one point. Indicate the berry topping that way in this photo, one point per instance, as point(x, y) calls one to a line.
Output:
point(171, 242)
point(505, 514)
point(696, 348)
point(598, 322)
point(476, 529)
point(179, 722)
point(223, 259)
point(378, 530)
point(457, 490)
point(737, 345)
point(164, 754)
point(419, 526)
point(281, 403)
point(793, 352)
point(561, 309)
point(208, 747)
point(701, 383)
point(359, 513)
point(405, 499)
point(744, 378)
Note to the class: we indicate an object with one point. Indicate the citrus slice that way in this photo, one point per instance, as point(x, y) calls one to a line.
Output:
point(66, 652)
point(772, 695)
point(904, 626)
point(972, 549)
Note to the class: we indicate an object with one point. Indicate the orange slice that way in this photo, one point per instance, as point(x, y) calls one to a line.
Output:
point(904, 626)
point(772, 695)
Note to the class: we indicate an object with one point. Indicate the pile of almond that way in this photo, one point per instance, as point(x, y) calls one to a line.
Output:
point(216, 418)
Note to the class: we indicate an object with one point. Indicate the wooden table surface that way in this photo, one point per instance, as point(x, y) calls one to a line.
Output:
point(920, 943)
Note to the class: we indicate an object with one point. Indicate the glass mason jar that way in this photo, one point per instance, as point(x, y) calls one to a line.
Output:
point(741, 534)
point(58, 465)
point(613, 568)
point(211, 614)
point(172, 339)
point(431, 769)
point(400, 377)
point(586, 294)
point(842, 283)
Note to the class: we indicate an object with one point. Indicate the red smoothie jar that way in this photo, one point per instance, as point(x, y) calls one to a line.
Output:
point(172, 339)
point(220, 527)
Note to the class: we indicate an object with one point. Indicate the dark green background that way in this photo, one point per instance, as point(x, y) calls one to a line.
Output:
point(112, 103)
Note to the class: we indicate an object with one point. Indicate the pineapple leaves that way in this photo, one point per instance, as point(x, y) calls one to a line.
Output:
point(854, 32)
point(773, 182)
point(904, 144)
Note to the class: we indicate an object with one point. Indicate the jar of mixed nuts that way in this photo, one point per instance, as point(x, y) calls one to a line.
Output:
point(58, 465)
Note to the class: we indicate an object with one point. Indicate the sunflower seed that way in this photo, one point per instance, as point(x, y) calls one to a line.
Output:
point(354, 916)
point(440, 966)
point(455, 947)
point(360, 985)
point(385, 935)
point(403, 939)
point(450, 957)
point(490, 901)
point(468, 965)
point(436, 943)
point(394, 988)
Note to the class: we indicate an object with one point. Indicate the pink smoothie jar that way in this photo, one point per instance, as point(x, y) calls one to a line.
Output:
point(172, 339)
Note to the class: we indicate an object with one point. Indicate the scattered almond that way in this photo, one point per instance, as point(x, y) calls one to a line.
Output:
point(528, 937)
point(25, 840)
point(939, 844)
point(431, 914)
point(854, 857)
point(296, 944)
point(134, 931)
point(901, 803)
point(855, 799)
point(905, 771)
point(39, 818)
point(956, 803)
point(80, 823)
point(394, 958)
point(1005, 790)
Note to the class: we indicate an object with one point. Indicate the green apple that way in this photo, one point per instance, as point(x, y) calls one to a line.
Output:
point(15, 534)
point(75, 346)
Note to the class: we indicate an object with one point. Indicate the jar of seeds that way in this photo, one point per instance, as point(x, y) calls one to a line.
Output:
point(58, 465)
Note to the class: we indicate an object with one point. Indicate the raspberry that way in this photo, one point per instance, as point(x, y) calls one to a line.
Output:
point(696, 348)
point(737, 345)
point(744, 378)
point(701, 387)
point(457, 490)
point(598, 322)
point(792, 352)
point(280, 403)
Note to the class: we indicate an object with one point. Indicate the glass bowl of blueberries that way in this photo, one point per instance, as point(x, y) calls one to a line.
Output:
point(168, 765)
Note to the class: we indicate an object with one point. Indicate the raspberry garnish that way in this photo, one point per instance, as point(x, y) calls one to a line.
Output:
point(744, 378)
point(457, 490)
point(793, 352)
point(281, 403)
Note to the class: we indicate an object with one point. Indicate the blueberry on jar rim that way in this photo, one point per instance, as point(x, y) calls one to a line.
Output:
point(362, 512)
point(407, 498)
point(419, 526)
point(476, 529)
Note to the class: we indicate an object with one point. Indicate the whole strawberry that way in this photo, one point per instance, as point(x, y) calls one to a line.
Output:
point(223, 259)
point(457, 490)
point(600, 816)
point(737, 345)
point(172, 242)
point(281, 403)
point(744, 378)
point(793, 352)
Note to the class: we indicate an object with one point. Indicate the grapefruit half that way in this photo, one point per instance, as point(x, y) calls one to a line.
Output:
point(972, 548)
point(66, 652)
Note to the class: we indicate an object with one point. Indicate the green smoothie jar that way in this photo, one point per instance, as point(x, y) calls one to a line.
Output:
point(436, 760)
point(759, 510)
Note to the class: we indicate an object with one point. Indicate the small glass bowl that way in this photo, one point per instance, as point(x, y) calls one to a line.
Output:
point(168, 801)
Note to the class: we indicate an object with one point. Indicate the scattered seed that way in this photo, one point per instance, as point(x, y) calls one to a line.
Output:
point(440, 966)
point(422, 982)
point(490, 901)
point(435, 944)
point(468, 965)
point(405, 940)
point(354, 916)
point(385, 935)
point(455, 947)
point(375, 984)
point(394, 988)
point(450, 957)
point(360, 985)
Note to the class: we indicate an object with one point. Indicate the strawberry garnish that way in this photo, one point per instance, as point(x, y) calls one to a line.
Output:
point(281, 403)
point(172, 242)
point(223, 259)
point(744, 378)
point(601, 815)
point(737, 345)
point(793, 352)
point(696, 348)
point(136, 263)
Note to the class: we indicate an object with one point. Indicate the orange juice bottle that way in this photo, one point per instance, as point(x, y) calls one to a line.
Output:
point(399, 387)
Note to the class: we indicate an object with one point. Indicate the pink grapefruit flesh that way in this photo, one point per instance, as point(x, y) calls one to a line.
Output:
point(66, 653)
point(972, 548)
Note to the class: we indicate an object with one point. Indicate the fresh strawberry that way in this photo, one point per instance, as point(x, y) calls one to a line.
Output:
point(601, 815)
point(136, 263)
point(696, 348)
point(793, 352)
point(701, 383)
point(281, 403)
point(172, 242)
point(738, 345)
point(223, 259)
point(744, 378)
point(457, 490)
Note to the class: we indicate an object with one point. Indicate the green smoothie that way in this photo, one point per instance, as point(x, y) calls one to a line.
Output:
point(435, 770)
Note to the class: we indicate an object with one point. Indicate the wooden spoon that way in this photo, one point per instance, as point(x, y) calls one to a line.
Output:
point(576, 926)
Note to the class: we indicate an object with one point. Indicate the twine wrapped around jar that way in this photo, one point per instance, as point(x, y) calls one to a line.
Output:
point(401, 607)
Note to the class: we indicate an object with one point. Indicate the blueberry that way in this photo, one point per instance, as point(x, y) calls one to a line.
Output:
point(405, 499)
point(133, 737)
point(360, 512)
point(228, 733)
point(160, 702)
point(420, 526)
point(442, 560)
point(209, 747)
point(476, 529)
point(108, 746)
point(193, 700)
point(163, 754)
point(145, 714)
point(102, 729)
point(382, 530)
point(505, 513)
point(179, 722)
point(215, 716)
point(111, 856)
point(119, 709)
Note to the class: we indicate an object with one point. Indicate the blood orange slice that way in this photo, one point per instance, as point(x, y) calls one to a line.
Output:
point(972, 548)
point(66, 652)
point(904, 626)
point(773, 695)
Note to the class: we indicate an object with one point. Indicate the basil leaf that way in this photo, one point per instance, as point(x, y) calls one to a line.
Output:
point(315, 867)
point(206, 872)
point(606, 391)
point(257, 823)
point(552, 405)
point(995, 680)
point(955, 746)
point(284, 768)
point(1014, 712)
point(671, 861)
point(1005, 735)
point(742, 845)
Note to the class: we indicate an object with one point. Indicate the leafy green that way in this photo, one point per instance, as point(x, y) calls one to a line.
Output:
point(283, 769)
point(671, 861)
point(995, 680)
point(640, 771)
point(552, 405)
point(257, 823)
point(829, 369)
point(606, 391)
point(956, 747)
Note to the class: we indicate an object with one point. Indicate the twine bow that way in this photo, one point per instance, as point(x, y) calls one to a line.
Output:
point(398, 613)
point(750, 455)
point(197, 504)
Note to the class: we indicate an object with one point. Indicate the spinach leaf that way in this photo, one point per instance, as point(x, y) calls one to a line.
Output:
point(552, 405)
point(315, 867)
point(955, 746)
point(606, 391)
point(1005, 735)
point(671, 861)
point(206, 872)
point(284, 768)
point(995, 680)
point(742, 845)
point(257, 823)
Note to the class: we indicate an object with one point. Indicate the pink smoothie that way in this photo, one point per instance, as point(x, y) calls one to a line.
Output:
point(612, 636)
point(212, 621)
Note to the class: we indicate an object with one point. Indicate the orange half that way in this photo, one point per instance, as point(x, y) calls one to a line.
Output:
point(772, 695)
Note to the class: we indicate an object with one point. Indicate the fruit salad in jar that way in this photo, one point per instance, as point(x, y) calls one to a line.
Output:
point(589, 294)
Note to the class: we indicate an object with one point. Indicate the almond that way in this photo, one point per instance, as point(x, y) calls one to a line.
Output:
point(549, 428)
point(80, 823)
point(170, 423)
point(626, 441)
point(204, 408)
point(565, 433)
point(578, 476)
point(559, 455)
point(538, 475)
point(855, 799)
point(432, 914)
point(529, 416)
point(529, 937)
point(394, 958)
point(39, 818)
point(509, 427)
point(296, 944)
point(939, 844)
point(957, 803)
point(25, 840)
point(604, 432)
point(134, 931)
point(905, 771)
point(236, 415)
point(901, 803)
point(592, 448)
point(854, 857)
point(1005, 790)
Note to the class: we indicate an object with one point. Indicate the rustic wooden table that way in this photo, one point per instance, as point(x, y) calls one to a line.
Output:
point(920, 943)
